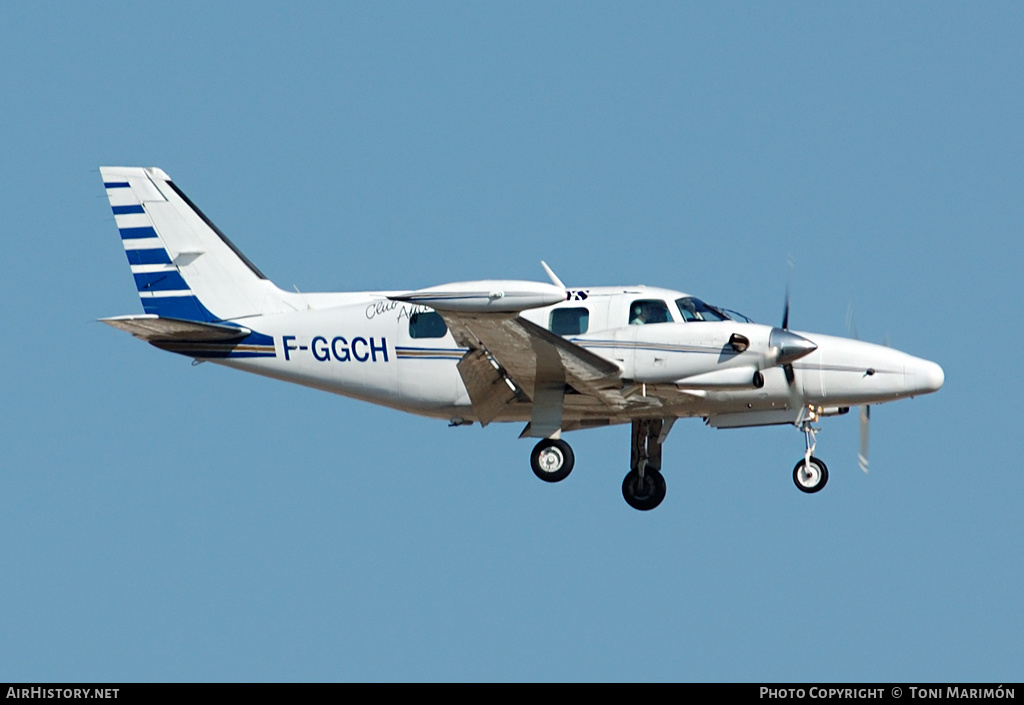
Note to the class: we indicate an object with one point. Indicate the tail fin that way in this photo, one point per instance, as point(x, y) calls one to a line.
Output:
point(184, 266)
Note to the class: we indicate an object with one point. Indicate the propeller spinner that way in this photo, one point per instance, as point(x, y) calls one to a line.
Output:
point(789, 346)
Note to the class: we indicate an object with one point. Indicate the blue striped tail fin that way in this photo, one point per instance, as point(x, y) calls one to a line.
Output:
point(184, 267)
point(161, 287)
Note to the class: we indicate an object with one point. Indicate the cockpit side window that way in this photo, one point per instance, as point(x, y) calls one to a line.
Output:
point(569, 321)
point(645, 311)
point(427, 324)
point(693, 309)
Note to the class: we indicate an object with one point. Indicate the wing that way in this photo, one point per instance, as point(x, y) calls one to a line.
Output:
point(510, 358)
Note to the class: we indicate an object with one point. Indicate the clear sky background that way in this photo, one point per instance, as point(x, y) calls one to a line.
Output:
point(166, 522)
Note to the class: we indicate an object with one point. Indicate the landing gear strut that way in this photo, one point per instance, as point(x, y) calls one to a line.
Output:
point(552, 460)
point(810, 474)
point(644, 487)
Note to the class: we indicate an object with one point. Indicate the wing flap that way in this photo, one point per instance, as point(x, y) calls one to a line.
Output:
point(536, 359)
point(487, 388)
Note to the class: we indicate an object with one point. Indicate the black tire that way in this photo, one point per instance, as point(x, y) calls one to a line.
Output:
point(647, 495)
point(813, 481)
point(552, 460)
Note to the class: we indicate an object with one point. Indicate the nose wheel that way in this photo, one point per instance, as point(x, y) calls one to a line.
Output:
point(810, 475)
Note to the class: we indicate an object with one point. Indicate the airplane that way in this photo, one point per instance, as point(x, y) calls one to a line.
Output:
point(556, 358)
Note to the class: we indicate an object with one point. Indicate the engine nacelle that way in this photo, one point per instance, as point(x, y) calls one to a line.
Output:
point(486, 296)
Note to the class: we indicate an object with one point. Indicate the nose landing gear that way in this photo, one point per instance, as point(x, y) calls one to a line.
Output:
point(810, 474)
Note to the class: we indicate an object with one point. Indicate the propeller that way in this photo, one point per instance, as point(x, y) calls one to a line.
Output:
point(865, 424)
point(785, 310)
point(790, 346)
point(865, 409)
point(787, 368)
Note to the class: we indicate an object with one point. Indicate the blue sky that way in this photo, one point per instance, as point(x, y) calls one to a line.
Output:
point(168, 522)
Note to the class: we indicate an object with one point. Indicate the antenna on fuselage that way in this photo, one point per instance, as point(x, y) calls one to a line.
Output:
point(551, 275)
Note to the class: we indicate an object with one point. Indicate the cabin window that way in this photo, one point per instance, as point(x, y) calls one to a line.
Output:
point(569, 321)
point(428, 324)
point(648, 311)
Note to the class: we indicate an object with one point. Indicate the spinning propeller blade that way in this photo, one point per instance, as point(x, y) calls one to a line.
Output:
point(865, 423)
point(790, 374)
point(865, 410)
point(785, 310)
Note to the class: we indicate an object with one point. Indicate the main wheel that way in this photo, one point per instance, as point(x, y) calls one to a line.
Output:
point(552, 460)
point(811, 478)
point(646, 494)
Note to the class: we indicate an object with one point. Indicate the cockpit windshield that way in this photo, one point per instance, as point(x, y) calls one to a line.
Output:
point(693, 309)
point(737, 316)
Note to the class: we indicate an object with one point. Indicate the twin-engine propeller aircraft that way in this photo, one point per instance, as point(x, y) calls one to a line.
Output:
point(555, 358)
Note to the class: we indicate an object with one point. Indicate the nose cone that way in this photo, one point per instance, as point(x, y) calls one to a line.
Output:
point(790, 346)
point(927, 376)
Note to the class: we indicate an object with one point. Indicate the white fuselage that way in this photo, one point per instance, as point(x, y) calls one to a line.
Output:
point(363, 345)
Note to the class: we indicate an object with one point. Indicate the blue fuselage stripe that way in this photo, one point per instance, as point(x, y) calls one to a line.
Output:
point(223, 353)
point(257, 339)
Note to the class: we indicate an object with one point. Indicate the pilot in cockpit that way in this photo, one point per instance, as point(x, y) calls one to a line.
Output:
point(642, 312)
point(636, 317)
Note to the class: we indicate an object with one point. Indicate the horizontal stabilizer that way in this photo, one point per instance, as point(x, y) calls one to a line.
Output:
point(157, 329)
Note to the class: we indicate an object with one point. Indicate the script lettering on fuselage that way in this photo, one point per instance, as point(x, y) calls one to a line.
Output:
point(379, 308)
point(338, 348)
point(411, 310)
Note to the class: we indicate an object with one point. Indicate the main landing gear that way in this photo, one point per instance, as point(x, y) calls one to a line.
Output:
point(552, 460)
point(810, 474)
point(643, 487)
